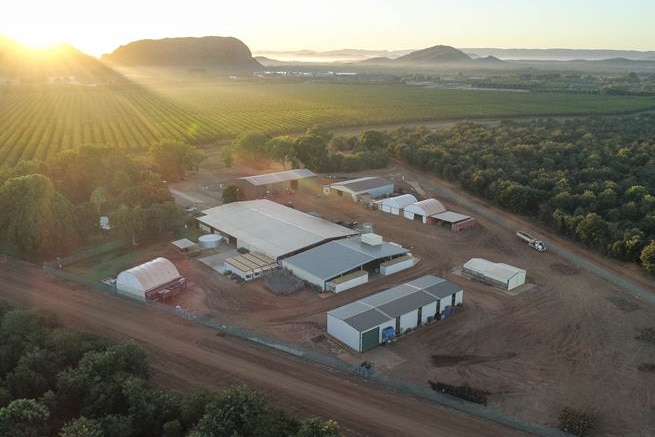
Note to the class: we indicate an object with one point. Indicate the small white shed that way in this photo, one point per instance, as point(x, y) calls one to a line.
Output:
point(499, 275)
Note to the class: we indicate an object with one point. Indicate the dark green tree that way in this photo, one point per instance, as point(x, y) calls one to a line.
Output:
point(23, 418)
point(311, 150)
point(173, 159)
point(35, 217)
point(647, 257)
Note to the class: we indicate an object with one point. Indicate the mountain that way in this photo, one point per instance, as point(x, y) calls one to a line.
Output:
point(559, 54)
point(60, 62)
point(434, 55)
point(216, 52)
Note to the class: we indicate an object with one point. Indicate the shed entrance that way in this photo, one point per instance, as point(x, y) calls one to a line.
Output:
point(370, 339)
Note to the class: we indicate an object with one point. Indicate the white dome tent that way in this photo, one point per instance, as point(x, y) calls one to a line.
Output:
point(154, 280)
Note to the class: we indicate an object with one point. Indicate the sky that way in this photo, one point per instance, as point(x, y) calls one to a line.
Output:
point(98, 27)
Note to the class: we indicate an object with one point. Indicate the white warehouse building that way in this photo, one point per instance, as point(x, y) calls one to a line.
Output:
point(498, 275)
point(396, 205)
point(154, 280)
point(366, 323)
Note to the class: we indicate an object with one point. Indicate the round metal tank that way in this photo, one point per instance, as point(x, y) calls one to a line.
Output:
point(367, 228)
point(209, 241)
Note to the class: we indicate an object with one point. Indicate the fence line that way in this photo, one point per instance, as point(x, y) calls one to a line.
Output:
point(309, 355)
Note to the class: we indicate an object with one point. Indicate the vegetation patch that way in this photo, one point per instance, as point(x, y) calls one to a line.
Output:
point(55, 381)
point(647, 367)
point(577, 422)
point(623, 304)
point(647, 335)
point(465, 392)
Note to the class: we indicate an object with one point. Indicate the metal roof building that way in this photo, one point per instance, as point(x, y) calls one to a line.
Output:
point(499, 275)
point(251, 187)
point(327, 262)
point(423, 210)
point(372, 186)
point(270, 228)
point(456, 221)
point(395, 205)
point(363, 324)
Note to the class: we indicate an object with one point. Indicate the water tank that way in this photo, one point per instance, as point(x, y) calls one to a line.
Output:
point(367, 228)
point(209, 241)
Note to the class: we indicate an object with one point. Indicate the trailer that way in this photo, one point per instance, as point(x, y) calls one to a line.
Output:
point(532, 241)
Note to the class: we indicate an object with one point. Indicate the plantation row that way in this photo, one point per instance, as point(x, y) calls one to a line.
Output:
point(39, 122)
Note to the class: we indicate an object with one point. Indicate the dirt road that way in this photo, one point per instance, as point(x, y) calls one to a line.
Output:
point(187, 356)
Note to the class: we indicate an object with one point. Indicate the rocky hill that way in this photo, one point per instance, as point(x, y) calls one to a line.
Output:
point(215, 52)
point(439, 54)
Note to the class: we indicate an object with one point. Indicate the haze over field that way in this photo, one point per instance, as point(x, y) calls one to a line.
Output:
point(99, 28)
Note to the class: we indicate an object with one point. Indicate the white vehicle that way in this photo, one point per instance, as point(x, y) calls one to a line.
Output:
point(532, 241)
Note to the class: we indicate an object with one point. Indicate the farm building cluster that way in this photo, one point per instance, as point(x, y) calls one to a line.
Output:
point(428, 211)
point(279, 242)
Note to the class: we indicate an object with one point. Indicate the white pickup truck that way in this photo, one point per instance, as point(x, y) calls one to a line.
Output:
point(532, 241)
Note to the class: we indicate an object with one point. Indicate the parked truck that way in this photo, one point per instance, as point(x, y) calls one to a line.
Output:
point(532, 241)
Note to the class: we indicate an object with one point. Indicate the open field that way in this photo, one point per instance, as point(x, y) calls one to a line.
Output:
point(38, 122)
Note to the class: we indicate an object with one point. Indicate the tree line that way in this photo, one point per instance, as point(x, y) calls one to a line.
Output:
point(52, 207)
point(590, 179)
point(59, 382)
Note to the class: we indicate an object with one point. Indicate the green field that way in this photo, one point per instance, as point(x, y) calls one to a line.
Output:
point(38, 122)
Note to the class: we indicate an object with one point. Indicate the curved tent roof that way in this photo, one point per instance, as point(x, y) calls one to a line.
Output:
point(148, 276)
point(426, 208)
point(399, 202)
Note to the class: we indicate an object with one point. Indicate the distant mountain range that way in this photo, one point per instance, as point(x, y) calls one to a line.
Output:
point(215, 52)
point(560, 54)
point(230, 55)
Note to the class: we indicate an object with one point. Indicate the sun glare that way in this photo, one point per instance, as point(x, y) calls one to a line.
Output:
point(38, 39)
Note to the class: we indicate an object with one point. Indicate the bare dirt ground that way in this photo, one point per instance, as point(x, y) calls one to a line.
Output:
point(186, 356)
point(568, 340)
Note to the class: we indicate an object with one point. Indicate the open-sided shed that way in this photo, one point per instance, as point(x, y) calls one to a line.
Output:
point(424, 210)
point(455, 221)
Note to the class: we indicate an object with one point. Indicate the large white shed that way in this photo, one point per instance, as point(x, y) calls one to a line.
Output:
point(150, 281)
point(423, 210)
point(499, 275)
point(371, 186)
point(396, 205)
point(342, 264)
point(269, 228)
point(365, 323)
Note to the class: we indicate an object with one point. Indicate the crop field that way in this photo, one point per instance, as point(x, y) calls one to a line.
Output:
point(38, 122)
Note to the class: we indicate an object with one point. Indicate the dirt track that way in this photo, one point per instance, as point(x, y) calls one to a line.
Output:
point(186, 356)
point(568, 340)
